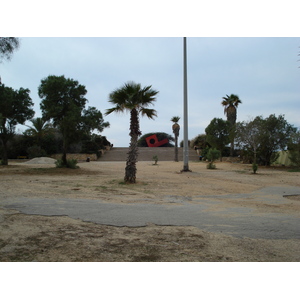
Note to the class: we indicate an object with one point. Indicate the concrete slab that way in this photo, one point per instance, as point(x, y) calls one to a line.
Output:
point(205, 212)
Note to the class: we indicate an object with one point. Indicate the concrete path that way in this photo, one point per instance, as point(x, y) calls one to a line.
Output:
point(205, 212)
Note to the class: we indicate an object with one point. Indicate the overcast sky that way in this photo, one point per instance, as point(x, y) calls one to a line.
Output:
point(233, 47)
point(263, 72)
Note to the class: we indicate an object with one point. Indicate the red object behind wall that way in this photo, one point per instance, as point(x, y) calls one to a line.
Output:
point(152, 141)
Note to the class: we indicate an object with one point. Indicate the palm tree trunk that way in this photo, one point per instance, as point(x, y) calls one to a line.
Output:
point(176, 148)
point(231, 117)
point(130, 170)
point(231, 148)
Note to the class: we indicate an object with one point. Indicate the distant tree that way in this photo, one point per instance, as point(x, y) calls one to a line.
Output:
point(199, 141)
point(92, 119)
point(135, 99)
point(160, 136)
point(176, 129)
point(182, 141)
point(275, 135)
point(93, 143)
point(230, 104)
point(264, 137)
point(7, 46)
point(294, 148)
point(200, 144)
point(217, 134)
point(63, 102)
point(15, 108)
point(248, 136)
point(38, 129)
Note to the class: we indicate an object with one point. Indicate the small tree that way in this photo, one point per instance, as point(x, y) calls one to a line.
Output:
point(15, 108)
point(212, 155)
point(217, 134)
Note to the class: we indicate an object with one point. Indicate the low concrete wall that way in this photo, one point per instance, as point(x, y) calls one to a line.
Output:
point(77, 156)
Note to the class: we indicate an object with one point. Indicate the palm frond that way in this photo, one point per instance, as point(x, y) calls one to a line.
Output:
point(175, 119)
point(116, 109)
point(150, 113)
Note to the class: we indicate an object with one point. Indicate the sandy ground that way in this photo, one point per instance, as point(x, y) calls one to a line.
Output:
point(39, 238)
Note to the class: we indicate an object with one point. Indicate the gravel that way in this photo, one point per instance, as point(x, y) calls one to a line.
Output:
point(41, 160)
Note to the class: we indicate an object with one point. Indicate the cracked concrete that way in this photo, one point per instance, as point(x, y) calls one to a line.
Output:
point(231, 214)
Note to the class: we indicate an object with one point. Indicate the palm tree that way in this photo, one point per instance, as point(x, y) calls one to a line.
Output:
point(230, 104)
point(135, 99)
point(176, 128)
point(39, 129)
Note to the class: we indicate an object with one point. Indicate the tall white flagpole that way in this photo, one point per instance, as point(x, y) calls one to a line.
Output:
point(185, 112)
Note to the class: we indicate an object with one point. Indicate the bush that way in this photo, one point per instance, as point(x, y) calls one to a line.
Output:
point(71, 163)
point(254, 168)
point(212, 155)
point(295, 158)
point(294, 149)
point(211, 165)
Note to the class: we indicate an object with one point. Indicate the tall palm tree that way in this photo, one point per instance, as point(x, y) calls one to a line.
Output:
point(135, 99)
point(176, 128)
point(230, 104)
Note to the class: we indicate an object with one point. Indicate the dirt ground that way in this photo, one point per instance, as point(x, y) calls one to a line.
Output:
point(40, 238)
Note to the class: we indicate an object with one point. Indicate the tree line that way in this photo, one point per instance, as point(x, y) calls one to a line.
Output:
point(65, 119)
point(256, 141)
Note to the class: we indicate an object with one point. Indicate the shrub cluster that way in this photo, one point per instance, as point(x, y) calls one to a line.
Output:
point(71, 163)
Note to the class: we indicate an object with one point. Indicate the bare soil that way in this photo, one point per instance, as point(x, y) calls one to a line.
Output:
point(40, 238)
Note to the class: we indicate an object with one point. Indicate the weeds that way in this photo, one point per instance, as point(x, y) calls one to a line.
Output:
point(155, 158)
point(254, 168)
point(71, 163)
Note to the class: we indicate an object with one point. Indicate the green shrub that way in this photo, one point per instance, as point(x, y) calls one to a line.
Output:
point(295, 157)
point(71, 163)
point(212, 155)
point(211, 165)
point(155, 158)
point(254, 168)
